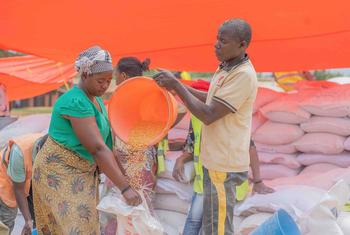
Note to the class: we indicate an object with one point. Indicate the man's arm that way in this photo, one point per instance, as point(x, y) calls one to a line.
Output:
point(201, 95)
point(234, 91)
point(17, 174)
point(19, 189)
point(258, 184)
point(205, 113)
point(254, 164)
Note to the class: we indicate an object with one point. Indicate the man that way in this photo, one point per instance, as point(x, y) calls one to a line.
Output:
point(192, 152)
point(15, 179)
point(226, 112)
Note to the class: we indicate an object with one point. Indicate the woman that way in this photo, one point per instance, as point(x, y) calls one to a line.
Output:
point(141, 173)
point(128, 67)
point(65, 173)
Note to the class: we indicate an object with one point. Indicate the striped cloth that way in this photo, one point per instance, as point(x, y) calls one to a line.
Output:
point(94, 60)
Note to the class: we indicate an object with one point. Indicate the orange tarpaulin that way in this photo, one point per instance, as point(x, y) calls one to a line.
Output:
point(28, 76)
point(287, 35)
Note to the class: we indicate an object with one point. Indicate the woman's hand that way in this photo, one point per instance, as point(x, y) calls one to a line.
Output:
point(132, 197)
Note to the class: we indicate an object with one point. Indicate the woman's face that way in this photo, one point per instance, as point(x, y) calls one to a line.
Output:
point(97, 84)
point(120, 77)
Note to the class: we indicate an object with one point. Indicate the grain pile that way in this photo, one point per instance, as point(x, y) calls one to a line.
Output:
point(140, 136)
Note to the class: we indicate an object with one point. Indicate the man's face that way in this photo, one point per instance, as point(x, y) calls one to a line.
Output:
point(227, 46)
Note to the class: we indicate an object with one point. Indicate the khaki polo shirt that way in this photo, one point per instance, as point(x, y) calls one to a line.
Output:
point(225, 143)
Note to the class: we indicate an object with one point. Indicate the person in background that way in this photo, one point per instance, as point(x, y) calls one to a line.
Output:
point(144, 176)
point(4, 104)
point(141, 175)
point(5, 118)
point(15, 180)
point(226, 113)
point(79, 147)
point(128, 67)
point(287, 80)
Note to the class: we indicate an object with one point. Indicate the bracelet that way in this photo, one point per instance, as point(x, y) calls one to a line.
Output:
point(125, 189)
point(257, 182)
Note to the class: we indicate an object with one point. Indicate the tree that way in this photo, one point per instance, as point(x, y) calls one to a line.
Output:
point(326, 74)
point(6, 53)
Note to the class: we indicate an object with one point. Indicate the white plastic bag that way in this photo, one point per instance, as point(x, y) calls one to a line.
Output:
point(174, 220)
point(344, 222)
point(296, 200)
point(322, 218)
point(131, 220)
point(171, 202)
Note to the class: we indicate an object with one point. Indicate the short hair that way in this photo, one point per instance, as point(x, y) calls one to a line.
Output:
point(240, 29)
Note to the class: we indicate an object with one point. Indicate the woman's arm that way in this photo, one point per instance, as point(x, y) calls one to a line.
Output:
point(89, 135)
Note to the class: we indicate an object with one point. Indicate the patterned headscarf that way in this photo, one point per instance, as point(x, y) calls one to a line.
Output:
point(94, 60)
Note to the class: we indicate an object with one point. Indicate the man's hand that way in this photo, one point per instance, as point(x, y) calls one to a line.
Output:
point(166, 79)
point(27, 228)
point(178, 171)
point(261, 188)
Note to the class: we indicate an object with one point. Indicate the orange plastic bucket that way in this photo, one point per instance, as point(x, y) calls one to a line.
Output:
point(139, 106)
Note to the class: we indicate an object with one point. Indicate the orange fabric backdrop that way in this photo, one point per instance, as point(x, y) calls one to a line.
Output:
point(28, 76)
point(288, 35)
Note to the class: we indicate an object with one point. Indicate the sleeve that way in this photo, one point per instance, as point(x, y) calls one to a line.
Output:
point(36, 147)
point(235, 90)
point(15, 169)
point(77, 107)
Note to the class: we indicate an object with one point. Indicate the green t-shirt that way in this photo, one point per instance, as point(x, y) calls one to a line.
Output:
point(75, 103)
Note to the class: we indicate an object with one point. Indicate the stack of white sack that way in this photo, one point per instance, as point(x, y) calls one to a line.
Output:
point(302, 150)
point(316, 211)
point(305, 128)
point(172, 200)
point(274, 140)
point(327, 132)
point(37, 123)
point(263, 97)
point(277, 155)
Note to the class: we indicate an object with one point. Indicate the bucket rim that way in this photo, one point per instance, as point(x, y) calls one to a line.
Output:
point(164, 92)
point(283, 213)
